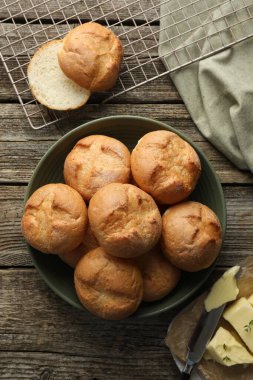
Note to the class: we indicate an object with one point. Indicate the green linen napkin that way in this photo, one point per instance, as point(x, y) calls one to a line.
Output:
point(217, 91)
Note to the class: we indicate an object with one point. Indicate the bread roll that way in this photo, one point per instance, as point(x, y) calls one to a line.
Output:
point(55, 219)
point(49, 85)
point(165, 166)
point(94, 162)
point(91, 56)
point(191, 236)
point(160, 277)
point(89, 242)
point(125, 220)
point(107, 286)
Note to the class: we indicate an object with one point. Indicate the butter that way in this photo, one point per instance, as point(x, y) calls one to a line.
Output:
point(226, 350)
point(251, 299)
point(224, 290)
point(240, 316)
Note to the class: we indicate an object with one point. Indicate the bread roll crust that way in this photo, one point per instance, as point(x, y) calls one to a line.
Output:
point(165, 166)
point(160, 277)
point(94, 162)
point(108, 286)
point(191, 236)
point(89, 243)
point(125, 220)
point(55, 219)
point(91, 56)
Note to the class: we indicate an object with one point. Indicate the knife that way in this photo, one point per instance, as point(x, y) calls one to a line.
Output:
point(201, 336)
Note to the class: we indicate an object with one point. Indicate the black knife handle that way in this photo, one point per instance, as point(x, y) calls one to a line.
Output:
point(185, 376)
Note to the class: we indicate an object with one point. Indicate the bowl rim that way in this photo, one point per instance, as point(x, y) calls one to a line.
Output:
point(167, 127)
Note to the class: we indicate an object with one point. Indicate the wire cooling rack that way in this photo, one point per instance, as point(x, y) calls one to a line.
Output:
point(190, 31)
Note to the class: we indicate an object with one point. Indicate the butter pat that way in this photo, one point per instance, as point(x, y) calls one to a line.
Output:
point(251, 299)
point(240, 316)
point(226, 350)
point(224, 290)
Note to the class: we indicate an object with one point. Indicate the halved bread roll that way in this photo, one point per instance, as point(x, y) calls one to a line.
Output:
point(49, 85)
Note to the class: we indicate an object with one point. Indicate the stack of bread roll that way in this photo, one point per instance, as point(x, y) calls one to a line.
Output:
point(122, 249)
point(62, 74)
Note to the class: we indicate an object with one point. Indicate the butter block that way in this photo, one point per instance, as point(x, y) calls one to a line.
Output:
point(226, 350)
point(224, 290)
point(251, 299)
point(240, 316)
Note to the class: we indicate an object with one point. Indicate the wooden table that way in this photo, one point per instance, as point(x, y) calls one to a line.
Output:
point(44, 338)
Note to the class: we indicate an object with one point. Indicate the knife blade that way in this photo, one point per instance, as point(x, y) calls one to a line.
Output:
point(201, 336)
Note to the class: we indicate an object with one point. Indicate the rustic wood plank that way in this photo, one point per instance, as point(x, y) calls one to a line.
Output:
point(156, 365)
point(33, 36)
point(22, 40)
point(238, 242)
point(13, 250)
point(42, 337)
point(73, 7)
point(13, 170)
point(50, 333)
point(29, 152)
point(161, 90)
point(14, 126)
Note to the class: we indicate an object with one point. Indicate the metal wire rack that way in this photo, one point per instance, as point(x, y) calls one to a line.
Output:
point(177, 32)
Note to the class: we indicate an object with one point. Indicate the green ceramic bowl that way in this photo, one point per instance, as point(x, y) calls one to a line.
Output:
point(128, 129)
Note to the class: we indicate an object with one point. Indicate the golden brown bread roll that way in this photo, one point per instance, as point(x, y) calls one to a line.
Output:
point(94, 162)
point(124, 219)
point(165, 166)
point(108, 286)
point(160, 277)
point(89, 242)
point(55, 219)
point(191, 236)
point(91, 56)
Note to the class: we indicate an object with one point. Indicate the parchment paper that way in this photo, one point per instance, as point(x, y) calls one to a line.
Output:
point(182, 327)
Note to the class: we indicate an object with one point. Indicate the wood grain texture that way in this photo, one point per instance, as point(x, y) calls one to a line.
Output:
point(74, 7)
point(238, 241)
point(24, 39)
point(155, 365)
point(161, 90)
point(42, 337)
point(31, 148)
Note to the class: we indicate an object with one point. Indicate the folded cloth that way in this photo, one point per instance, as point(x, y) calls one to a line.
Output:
point(217, 91)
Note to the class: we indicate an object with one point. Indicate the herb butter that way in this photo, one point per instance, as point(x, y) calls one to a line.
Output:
point(251, 299)
point(240, 316)
point(224, 290)
point(226, 350)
